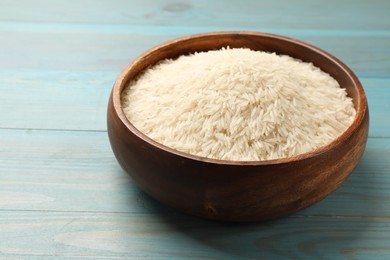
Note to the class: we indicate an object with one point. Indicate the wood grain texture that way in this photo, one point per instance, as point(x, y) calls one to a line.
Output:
point(170, 236)
point(54, 49)
point(63, 195)
point(301, 14)
point(85, 94)
point(230, 190)
point(74, 168)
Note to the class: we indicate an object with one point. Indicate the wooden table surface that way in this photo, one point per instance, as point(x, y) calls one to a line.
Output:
point(63, 194)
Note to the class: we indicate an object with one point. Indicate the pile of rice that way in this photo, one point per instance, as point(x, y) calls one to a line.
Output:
point(238, 104)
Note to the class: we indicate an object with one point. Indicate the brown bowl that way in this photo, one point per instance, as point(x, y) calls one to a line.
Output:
point(237, 190)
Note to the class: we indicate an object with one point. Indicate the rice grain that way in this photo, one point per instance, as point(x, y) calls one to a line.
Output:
point(238, 104)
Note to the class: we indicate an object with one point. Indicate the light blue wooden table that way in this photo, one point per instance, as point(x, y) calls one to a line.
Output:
point(62, 193)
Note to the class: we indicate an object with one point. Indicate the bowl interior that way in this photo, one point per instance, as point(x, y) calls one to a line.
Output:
point(253, 41)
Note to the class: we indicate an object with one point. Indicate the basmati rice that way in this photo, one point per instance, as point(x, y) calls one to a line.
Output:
point(238, 104)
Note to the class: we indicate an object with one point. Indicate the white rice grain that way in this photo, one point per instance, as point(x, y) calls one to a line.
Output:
point(238, 104)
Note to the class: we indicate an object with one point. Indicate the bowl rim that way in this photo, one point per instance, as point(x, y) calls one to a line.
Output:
point(122, 80)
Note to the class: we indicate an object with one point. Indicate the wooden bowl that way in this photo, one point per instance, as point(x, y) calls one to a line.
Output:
point(236, 190)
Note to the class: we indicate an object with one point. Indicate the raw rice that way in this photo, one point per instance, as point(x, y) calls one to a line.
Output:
point(238, 104)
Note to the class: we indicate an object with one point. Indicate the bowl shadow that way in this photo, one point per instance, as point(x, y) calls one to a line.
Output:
point(327, 229)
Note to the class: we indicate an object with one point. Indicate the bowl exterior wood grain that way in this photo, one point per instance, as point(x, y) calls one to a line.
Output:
point(237, 191)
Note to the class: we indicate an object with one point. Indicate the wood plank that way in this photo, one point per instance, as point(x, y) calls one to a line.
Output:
point(41, 99)
point(378, 96)
point(365, 192)
point(63, 170)
point(108, 51)
point(54, 99)
point(40, 234)
point(302, 14)
point(76, 171)
point(62, 193)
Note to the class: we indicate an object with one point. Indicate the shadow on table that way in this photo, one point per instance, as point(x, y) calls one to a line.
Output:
point(330, 228)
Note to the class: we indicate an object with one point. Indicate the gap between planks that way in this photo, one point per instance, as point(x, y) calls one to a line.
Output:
point(294, 216)
point(53, 129)
point(40, 27)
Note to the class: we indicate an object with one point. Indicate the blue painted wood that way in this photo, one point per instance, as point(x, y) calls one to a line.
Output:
point(301, 14)
point(68, 170)
point(62, 192)
point(78, 51)
point(66, 94)
point(167, 236)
